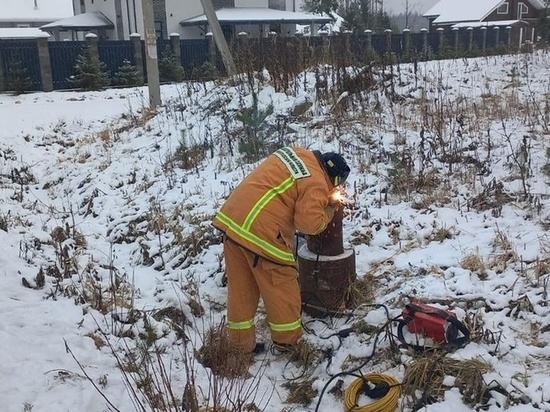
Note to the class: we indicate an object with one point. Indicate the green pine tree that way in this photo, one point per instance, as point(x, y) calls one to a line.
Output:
point(169, 69)
point(255, 144)
point(321, 6)
point(18, 79)
point(128, 75)
point(360, 15)
point(91, 73)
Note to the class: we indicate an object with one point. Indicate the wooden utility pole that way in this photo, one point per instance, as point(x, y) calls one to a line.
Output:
point(219, 38)
point(153, 81)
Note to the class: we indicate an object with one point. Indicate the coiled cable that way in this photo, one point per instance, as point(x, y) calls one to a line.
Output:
point(387, 403)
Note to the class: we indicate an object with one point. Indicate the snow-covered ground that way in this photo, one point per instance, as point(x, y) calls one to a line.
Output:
point(94, 196)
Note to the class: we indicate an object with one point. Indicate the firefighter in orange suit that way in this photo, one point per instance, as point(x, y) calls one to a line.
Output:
point(290, 190)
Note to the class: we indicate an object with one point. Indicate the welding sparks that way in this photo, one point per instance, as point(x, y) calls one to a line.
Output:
point(338, 196)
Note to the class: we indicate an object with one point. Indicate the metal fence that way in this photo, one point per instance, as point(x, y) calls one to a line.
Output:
point(21, 55)
point(292, 53)
point(63, 57)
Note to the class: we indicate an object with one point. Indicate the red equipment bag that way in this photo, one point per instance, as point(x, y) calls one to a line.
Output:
point(440, 325)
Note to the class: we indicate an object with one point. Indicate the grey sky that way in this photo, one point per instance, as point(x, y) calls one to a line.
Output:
point(398, 6)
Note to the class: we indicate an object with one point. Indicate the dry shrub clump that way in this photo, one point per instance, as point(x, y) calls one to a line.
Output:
point(426, 375)
point(474, 263)
point(221, 357)
point(300, 391)
point(362, 290)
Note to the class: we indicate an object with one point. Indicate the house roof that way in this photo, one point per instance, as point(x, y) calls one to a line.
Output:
point(448, 11)
point(25, 11)
point(21, 33)
point(84, 21)
point(477, 24)
point(257, 15)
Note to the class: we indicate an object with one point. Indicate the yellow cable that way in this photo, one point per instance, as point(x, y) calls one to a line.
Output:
point(387, 403)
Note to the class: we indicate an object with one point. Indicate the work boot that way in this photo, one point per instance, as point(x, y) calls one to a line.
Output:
point(259, 348)
point(282, 348)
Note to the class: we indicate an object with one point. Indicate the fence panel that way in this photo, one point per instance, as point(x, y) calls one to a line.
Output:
point(433, 42)
point(478, 39)
point(359, 49)
point(398, 44)
point(25, 54)
point(164, 48)
point(194, 53)
point(63, 56)
point(417, 44)
point(463, 40)
point(379, 43)
point(113, 53)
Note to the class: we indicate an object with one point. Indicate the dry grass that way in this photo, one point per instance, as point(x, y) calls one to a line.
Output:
point(425, 375)
point(221, 357)
point(305, 355)
point(474, 263)
point(98, 339)
point(505, 252)
point(362, 290)
point(300, 391)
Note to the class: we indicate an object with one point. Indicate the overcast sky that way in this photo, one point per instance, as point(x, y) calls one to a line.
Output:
point(398, 6)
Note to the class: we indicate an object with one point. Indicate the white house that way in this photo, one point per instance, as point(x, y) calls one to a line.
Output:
point(22, 18)
point(185, 17)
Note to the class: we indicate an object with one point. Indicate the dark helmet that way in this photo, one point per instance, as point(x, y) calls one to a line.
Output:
point(337, 168)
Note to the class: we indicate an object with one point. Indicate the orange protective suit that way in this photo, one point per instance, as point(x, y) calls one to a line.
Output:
point(289, 191)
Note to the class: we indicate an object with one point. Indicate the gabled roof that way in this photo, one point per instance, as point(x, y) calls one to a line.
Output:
point(257, 15)
point(25, 10)
point(446, 11)
point(488, 24)
point(84, 21)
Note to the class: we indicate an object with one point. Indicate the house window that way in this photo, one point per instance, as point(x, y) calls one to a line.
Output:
point(223, 4)
point(276, 28)
point(522, 10)
point(159, 29)
point(503, 8)
point(276, 4)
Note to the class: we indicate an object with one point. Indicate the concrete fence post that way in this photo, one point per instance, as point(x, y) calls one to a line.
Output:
point(2, 72)
point(388, 34)
point(470, 38)
point(483, 39)
point(299, 40)
point(45, 63)
point(211, 48)
point(440, 38)
point(243, 40)
point(91, 42)
point(137, 51)
point(368, 36)
point(424, 32)
point(456, 37)
point(407, 43)
point(242, 56)
point(347, 46)
point(508, 36)
point(497, 35)
point(325, 45)
point(175, 46)
point(347, 42)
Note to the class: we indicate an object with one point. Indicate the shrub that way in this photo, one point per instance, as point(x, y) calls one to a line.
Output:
point(169, 69)
point(18, 79)
point(128, 75)
point(90, 71)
